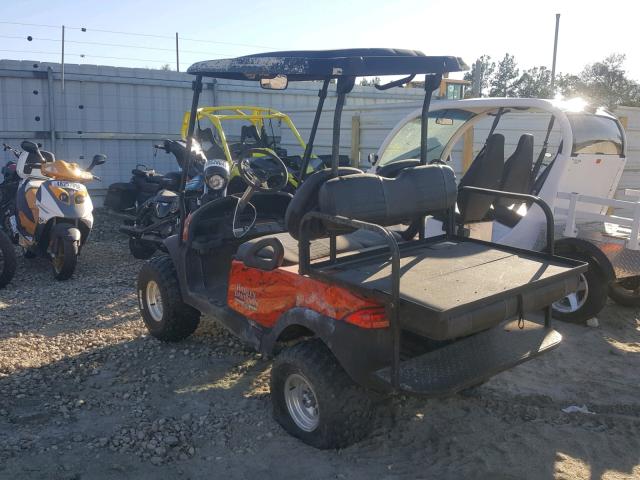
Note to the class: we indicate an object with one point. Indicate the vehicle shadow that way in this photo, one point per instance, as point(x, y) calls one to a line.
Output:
point(511, 427)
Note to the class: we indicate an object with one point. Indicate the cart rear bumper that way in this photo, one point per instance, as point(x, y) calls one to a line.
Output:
point(470, 361)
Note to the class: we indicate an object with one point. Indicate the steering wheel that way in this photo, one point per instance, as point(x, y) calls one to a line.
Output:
point(265, 173)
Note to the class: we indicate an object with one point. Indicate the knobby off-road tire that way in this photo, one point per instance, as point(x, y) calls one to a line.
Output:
point(8, 261)
point(65, 260)
point(164, 313)
point(594, 288)
point(343, 411)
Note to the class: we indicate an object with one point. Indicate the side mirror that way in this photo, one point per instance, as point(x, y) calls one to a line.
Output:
point(279, 82)
point(373, 158)
point(98, 159)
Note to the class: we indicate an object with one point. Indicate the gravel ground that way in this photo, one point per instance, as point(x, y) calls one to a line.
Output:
point(86, 393)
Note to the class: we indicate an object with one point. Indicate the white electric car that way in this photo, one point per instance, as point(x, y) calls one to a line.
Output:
point(571, 156)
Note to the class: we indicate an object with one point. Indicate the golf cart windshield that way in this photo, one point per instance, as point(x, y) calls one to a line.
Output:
point(406, 142)
point(595, 134)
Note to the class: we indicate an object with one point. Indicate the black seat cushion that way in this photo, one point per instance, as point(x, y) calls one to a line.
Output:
point(485, 172)
point(306, 199)
point(415, 191)
point(391, 170)
point(355, 241)
point(516, 176)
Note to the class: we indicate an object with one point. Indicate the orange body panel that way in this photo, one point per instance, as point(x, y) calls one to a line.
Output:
point(264, 296)
point(62, 170)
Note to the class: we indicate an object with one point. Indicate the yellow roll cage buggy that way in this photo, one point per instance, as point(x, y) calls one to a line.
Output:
point(254, 115)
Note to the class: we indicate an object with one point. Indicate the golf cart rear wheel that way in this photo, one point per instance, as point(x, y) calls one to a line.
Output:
point(588, 300)
point(7, 260)
point(626, 292)
point(164, 313)
point(315, 400)
point(141, 249)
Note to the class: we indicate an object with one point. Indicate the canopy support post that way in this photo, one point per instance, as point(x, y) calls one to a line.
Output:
point(431, 82)
point(345, 85)
point(322, 94)
point(197, 88)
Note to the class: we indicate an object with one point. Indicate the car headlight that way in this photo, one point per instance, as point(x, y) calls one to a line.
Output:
point(216, 182)
point(79, 198)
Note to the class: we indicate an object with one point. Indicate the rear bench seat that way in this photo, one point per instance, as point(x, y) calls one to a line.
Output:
point(448, 289)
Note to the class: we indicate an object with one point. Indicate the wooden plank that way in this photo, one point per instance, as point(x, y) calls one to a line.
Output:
point(624, 121)
point(355, 141)
point(467, 150)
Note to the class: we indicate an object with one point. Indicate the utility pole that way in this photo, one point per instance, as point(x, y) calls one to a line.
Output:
point(62, 60)
point(555, 52)
point(177, 55)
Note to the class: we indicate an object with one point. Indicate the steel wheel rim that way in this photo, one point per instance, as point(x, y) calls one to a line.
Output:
point(301, 402)
point(576, 300)
point(154, 301)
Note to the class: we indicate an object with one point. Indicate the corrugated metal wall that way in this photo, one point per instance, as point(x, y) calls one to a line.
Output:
point(122, 112)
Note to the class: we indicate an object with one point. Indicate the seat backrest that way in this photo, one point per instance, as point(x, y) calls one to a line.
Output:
point(516, 176)
point(416, 191)
point(485, 172)
point(249, 134)
point(306, 199)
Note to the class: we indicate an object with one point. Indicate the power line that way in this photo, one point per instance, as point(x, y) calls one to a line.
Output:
point(85, 29)
point(82, 55)
point(226, 43)
point(109, 44)
point(30, 24)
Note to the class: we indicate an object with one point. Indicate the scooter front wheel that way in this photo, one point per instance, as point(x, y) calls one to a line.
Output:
point(7, 260)
point(65, 259)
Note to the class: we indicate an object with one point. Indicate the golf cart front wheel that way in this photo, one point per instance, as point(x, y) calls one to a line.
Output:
point(164, 313)
point(588, 300)
point(315, 400)
point(626, 292)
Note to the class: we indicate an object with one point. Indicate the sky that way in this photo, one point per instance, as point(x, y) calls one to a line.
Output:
point(589, 30)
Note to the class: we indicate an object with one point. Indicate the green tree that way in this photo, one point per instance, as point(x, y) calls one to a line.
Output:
point(534, 83)
point(487, 68)
point(504, 82)
point(370, 81)
point(605, 83)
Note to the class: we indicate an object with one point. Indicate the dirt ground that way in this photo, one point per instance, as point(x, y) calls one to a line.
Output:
point(85, 393)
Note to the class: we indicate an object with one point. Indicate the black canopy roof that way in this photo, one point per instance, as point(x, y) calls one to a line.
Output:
point(322, 64)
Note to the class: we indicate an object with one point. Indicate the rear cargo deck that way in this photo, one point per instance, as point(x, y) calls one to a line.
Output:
point(452, 288)
point(472, 360)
